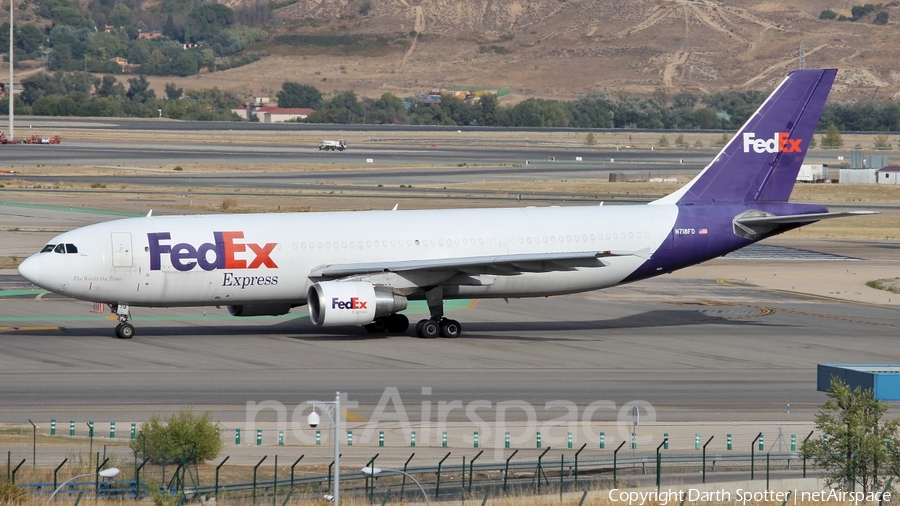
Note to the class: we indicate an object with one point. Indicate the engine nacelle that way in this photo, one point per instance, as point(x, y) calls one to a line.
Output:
point(260, 310)
point(350, 303)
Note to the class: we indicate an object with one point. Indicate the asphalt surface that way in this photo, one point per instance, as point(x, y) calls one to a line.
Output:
point(693, 348)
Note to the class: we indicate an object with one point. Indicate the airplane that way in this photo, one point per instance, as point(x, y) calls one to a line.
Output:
point(361, 268)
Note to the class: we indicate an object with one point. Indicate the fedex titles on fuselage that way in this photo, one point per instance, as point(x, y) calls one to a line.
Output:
point(225, 252)
point(780, 143)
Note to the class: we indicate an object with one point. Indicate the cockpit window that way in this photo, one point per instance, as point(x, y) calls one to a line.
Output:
point(70, 248)
point(48, 248)
point(60, 248)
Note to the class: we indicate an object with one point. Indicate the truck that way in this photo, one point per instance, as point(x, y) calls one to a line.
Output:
point(812, 173)
point(332, 145)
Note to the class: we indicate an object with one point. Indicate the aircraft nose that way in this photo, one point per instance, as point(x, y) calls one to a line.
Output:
point(30, 269)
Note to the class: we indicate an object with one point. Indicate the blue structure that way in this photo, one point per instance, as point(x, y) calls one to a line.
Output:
point(882, 379)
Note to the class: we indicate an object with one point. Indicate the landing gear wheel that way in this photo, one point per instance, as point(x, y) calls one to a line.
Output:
point(397, 323)
point(124, 331)
point(450, 329)
point(428, 329)
point(379, 325)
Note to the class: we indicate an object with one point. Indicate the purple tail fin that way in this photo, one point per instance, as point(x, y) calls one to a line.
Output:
point(761, 162)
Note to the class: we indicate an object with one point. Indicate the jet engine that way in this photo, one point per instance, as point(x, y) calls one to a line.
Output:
point(350, 303)
point(260, 310)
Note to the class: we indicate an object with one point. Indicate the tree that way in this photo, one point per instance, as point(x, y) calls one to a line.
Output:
point(178, 437)
point(881, 142)
point(139, 90)
point(679, 141)
point(812, 141)
point(832, 138)
point(30, 38)
point(881, 18)
point(827, 14)
point(856, 446)
point(207, 21)
point(299, 95)
point(173, 92)
point(663, 141)
point(110, 87)
point(589, 139)
point(169, 29)
point(68, 16)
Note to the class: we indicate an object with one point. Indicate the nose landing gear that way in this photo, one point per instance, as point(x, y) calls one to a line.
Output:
point(124, 330)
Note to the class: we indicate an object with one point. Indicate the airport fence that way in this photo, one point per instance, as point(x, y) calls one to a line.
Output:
point(290, 478)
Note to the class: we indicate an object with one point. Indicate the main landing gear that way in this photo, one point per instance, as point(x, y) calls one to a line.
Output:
point(124, 330)
point(437, 324)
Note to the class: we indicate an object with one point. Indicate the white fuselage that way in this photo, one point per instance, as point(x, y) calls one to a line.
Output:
point(269, 257)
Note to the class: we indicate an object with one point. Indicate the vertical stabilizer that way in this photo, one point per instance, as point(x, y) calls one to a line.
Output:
point(760, 163)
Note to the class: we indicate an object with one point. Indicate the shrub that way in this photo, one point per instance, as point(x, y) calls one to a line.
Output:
point(229, 203)
point(178, 168)
point(180, 436)
point(10, 493)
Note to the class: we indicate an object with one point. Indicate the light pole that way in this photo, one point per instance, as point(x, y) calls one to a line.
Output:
point(333, 409)
point(33, 444)
point(374, 472)
point(112, 472)
point(12, 133)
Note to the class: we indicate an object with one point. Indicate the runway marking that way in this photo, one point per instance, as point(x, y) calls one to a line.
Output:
point(351, 416)
point(767, 310)
point(16, 293)
point(744, 284)
point(28, 329)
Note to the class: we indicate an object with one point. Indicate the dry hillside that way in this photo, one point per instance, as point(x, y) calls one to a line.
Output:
point(566, 48)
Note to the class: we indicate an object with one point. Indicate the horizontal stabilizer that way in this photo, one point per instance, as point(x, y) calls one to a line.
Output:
point(754, 224)
point(797, 218)
point(514, 263)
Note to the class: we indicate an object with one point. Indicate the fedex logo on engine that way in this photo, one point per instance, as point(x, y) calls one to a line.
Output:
point(780, 143)
point(353, 303)
point(224, 253)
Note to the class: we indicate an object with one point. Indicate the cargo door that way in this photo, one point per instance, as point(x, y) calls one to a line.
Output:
point(121, 249)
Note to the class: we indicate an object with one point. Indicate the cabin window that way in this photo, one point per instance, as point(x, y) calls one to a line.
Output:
point(60, 248)
point(48, 248)
point(70, 248)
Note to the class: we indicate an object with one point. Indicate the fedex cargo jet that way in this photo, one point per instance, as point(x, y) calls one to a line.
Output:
point(361, 268)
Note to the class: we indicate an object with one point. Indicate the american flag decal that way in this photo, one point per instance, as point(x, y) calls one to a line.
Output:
point(702, 231)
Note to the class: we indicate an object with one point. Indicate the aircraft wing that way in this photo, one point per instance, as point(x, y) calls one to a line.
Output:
point(510, 264)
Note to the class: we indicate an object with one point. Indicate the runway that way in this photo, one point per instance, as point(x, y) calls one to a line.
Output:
point(693, 347)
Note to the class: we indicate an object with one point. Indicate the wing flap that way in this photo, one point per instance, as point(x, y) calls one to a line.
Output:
point(535, 262)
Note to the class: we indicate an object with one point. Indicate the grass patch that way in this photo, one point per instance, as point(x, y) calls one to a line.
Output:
point(357, 44)
point(278, 5)
point(888, 285)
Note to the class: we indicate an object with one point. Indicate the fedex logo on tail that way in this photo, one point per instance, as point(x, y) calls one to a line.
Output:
point(225, 253)
point(780, 143)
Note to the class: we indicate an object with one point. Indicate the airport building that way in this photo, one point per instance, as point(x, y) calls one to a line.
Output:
point(882, 379)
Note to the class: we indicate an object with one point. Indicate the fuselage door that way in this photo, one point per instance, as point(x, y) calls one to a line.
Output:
point(121, 249)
